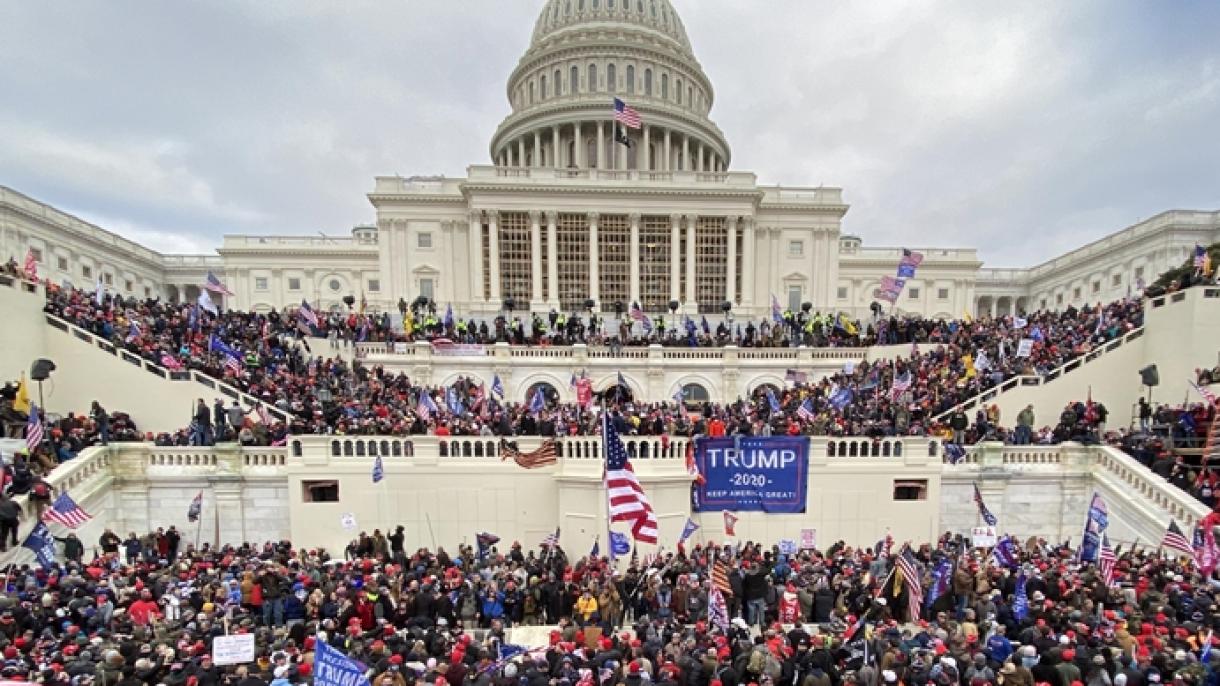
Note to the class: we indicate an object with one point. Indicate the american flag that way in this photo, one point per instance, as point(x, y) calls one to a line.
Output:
point(626, 115)
point(213, 284)
point(65, 511)
point(717, 609)
point(1106, 562)
point(1174, 539)
point(170, 362)
point(911, 257)
point(544, 456)
point(983, 511)
point(264, 417)
point(195, 508)
point(628, 502)
point(33, 429)
point(1200, 257)
point(805, 411)
point(901, 385)
point(638, 315)
point(551, 540)
point(306, 312)
point(796, 376)
point(1207, 393)
point(910, 578)
point(232, 363)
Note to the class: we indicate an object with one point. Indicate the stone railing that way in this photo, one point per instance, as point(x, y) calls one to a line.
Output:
point(1026, 380)
point(18, 283)
point(157, 370)
point(581, 352)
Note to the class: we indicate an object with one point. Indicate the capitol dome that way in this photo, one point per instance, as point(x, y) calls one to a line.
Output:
point(583, 55)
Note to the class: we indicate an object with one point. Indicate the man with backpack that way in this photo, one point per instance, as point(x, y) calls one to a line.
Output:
point(10, 516)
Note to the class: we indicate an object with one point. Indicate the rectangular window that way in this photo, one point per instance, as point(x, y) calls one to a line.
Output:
point(127, 286)
point(1076, 293)
point(1116, 280)
point(62, 263)
point(942, 294)
point(374, 285)
point(425, 288)
point(423, 239)
point(911, 489)
point(108, 279)
point(260, 283)
point(711, 263)
point(147, 292)
point(515, 268)
point(320, 491)
point(1096, 286)
point(614, 258)
point(1139, 272)
point(796, 248)
point(1043, 305)
point(794, 298)
point(294, 283)
point(842, 293)
point(1059, 299)
point(913, 293)
point(654, 263)
point(86, 271)
point(572, 253)
point(37, 253)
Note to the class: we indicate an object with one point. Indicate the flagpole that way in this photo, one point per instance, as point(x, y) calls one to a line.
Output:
point(198, 530)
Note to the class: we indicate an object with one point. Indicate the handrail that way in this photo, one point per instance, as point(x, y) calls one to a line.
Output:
point(1135, 479)
point(155, 369)
point(1022, 380)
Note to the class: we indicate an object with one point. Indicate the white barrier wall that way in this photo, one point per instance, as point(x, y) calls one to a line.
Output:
point(23, 341)
point(1183, 333)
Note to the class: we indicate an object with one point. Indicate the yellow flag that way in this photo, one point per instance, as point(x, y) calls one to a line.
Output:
point(968, 360)
point(408, 324)
point(22, 402)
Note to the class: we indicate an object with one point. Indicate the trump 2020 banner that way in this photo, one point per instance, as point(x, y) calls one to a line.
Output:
point(762, 474)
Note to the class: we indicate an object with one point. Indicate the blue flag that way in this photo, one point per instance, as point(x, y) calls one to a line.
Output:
point(333, 668)
point(679, 396)
point(448, 316)
point(707, 328)
point(1037, 334)
point(429, 405)
point(537, 402)
point(217, 345)
point(1005, 552)
point(619, 544)
point(1020, 601)
point(841, 398)
point(1095, 525)
point(378, 470)
point(497, 386)
point(41, 542)
point(509, 650)
point(596, 549)
point(954, 453)
point(773, 401)
point(989, 518)
point(906, 271)
point(688, 530)
point(453, 401)
point(942, 574)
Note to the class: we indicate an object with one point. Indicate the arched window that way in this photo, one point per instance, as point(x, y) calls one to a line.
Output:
point(542, 87)
point(573, 80)
point(592, 85)
point(559, 83)
point(630, 78)
point(531, 96)
point(694, 393)
point(678, 90)
point(610, 77)
point(647, 82)
point(665, 86)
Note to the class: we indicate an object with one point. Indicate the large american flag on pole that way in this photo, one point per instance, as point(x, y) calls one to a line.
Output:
point(1106, 561)
point(34, 432)
point(65, 511)
point(1174, 539)
point(626, 115)
point(910, 578)
point(628, 503)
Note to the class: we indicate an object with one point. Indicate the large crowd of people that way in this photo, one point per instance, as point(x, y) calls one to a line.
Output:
point(147, 610)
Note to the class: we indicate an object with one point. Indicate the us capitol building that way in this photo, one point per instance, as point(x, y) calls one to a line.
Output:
point(567, 213)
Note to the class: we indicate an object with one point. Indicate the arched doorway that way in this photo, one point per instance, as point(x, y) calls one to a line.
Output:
point(550, 396)
point(760, 391)
point(694, 394)
point(617, 393)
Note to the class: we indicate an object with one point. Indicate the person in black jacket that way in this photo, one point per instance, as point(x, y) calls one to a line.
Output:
point(203, 422)
point(74, 550)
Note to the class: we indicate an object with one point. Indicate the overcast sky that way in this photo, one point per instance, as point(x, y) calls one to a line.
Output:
point(1020, 128)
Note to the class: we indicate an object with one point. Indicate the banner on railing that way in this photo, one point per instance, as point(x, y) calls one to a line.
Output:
point(458, 349)
point(763, 474)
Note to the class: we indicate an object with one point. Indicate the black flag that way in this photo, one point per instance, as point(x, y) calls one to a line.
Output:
point(620, 136)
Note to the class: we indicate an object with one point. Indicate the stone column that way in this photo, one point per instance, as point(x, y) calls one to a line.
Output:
point(493, 233)
point(600, 160)
point(537, 149)
point(594, 266)
point(699, 161)
point(634, 259)
point(665, 157)
point(675, 251)
point(555, 155)
point(691, 220)
point(475, 246)
point(521, 151)
point(230, 511)
point(535, 260)
point(730, 277)
point(552, 257)
point(646, 160)
point(685, 164)
point(747, 262)
point(579, 148)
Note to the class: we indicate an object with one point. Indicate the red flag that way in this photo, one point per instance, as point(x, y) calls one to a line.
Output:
point(730, 521)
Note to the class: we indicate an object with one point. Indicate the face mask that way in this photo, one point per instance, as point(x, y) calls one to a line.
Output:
point(1028, 662)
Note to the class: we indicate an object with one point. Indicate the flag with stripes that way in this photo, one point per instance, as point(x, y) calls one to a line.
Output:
point(638, 314)
point(628, 502)
point(805, 411)
point(34, 431)
point(1174, 539)
point(911, 258)
point(170, 362)
point(626, 115)
point(497, 386)
point(264, 417)
point(31, 265)
point(378, 469)
point(306, 312)
point(901, 385)
point(551, 540)
point(720, 576)
point(1106, 561)
point(717, 609)
point(212, 283)
point(910, 578)
point(65, 511)
point(983, 511)
point(1207, 394)
point(195, 509)
point(544, 456)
